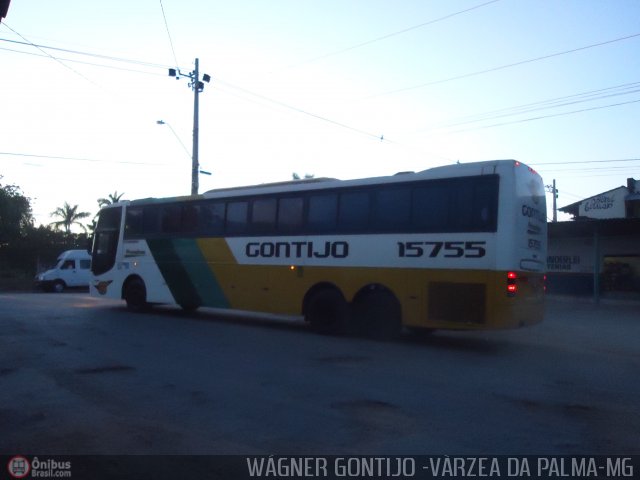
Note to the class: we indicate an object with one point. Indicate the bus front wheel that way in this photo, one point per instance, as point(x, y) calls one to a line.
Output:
point(327, 311)
point(135, 294)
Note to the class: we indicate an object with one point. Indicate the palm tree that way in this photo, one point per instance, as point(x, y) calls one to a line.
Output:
point(111, 199)
point(69, 216)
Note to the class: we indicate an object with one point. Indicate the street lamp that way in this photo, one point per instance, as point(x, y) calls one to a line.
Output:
point(162, 122)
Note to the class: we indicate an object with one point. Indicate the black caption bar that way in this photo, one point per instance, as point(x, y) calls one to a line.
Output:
point(159, 467)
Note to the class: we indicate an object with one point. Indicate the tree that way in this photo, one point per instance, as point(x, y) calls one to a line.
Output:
point(69, 216)
point(15, 214)
point(110, 200)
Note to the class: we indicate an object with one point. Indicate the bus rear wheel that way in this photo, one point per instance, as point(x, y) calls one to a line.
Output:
point(327, 311)
point(135, 294)
point(378, 314)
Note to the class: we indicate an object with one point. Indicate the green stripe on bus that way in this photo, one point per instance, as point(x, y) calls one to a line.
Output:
point(186, 272)
point(204, 282)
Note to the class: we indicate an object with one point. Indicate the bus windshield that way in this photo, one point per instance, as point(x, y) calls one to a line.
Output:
point(105, 242)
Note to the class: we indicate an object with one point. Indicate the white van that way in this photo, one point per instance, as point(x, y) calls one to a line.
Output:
point(71, 271)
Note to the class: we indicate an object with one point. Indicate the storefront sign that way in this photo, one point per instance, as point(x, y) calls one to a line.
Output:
point(606, 205)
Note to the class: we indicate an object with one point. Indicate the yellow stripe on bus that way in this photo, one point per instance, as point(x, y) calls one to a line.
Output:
point(281, 289)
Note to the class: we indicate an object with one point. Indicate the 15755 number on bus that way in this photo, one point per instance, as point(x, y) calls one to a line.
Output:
point(442, 249)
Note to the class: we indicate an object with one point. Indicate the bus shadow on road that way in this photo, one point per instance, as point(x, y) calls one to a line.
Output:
point(225, 316)
point(478, 342)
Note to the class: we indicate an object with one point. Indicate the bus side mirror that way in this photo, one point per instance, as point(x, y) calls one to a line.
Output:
point(90, 244)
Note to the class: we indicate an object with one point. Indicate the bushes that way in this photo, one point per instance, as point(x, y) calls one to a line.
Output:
point(34, 251)
point(25, 249)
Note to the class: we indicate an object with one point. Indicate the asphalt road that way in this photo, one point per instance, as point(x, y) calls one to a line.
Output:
point(80, 375)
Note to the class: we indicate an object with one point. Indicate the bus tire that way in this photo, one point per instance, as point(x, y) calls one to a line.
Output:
point(378, 314)
point(58, 286)
point(135, 294)
point(327, 311)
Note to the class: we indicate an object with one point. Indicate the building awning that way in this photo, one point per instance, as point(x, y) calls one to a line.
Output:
point(585, 228)
point(632, 196)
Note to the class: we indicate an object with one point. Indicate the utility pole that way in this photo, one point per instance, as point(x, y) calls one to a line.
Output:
point(197, 86)
point(554, 192)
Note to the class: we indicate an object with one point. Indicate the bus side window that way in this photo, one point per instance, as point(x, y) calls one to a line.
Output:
point(171, 219)
point(290, 214)
point(485, 201)
point(430, 207)
point(353, 213)
point(392, 209)
point(263, 215)
point(322, 214)
point(237, 217)
point(133, 225)
point(190, 218)
point(150, 220)
point(211, 221)
point(462, 192)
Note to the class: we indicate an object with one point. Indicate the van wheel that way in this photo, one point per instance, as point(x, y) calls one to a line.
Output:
point(135, 294)
point(327, 311)
point(378, 314)
point(58, 286)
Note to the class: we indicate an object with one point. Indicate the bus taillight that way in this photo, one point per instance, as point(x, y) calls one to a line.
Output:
point(512, 286)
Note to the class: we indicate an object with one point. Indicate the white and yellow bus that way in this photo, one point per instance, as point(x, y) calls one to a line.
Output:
point(454, 247)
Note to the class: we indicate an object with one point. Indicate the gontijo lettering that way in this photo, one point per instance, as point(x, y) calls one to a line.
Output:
point(532, 212)
point(297, 249)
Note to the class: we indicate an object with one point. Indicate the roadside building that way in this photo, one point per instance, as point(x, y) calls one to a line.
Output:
point(598, 252)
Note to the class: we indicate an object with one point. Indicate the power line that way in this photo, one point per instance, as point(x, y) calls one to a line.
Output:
point(531, 119)
point(78, 52)
point(501, 67)
point(276, 102)
point(587, 161)
point(168, 34)
point(590, 169)
point(582, 97)
point(384, 37)
point(52, 57)
point(83, 63)
point(573, 175)
point(80, 159)
point(304, 112)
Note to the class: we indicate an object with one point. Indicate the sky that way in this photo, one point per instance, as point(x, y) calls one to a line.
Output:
point(343, 89)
